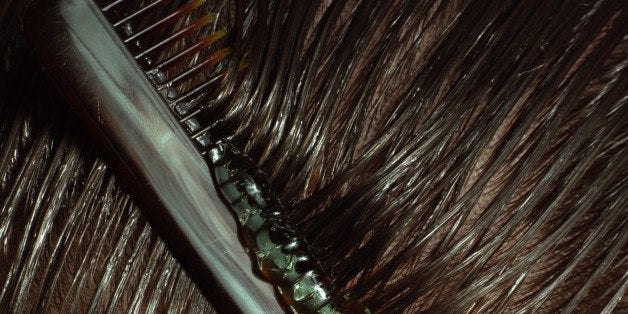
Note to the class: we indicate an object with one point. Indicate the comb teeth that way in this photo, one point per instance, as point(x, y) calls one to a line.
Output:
point(112, 5)
point(208, 62)
point(153, 152)
point(190, 50)
point(142, 11)
point(181, 63)
point(167, 20)
point(186, 31)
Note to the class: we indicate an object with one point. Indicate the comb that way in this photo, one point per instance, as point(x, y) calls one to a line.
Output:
point(140, 93)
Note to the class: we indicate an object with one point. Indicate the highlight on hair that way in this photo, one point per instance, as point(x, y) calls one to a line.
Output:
point(442, 155)
point(445, 156)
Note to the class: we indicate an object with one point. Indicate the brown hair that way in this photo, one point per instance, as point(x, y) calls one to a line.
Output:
point(447, 155)
point(441, 155)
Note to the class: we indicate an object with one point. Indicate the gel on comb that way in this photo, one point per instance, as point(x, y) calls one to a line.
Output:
point(139, 92)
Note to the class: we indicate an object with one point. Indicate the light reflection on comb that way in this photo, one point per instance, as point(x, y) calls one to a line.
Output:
point(209, 62)
point(143, 11)
point(167, 20)
point(283, 257)
point(291, 266)
point(186, 31)
point(191, 50)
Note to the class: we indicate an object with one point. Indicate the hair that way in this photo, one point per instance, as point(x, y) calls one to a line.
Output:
point(445, 156)
point(442, 155)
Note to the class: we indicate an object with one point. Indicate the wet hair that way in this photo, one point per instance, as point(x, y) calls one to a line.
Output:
point(442, 155)
point(445, 156)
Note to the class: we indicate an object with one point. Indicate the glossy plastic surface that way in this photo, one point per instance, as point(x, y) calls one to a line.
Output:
point(143, 139)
